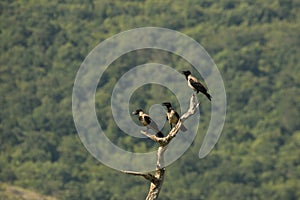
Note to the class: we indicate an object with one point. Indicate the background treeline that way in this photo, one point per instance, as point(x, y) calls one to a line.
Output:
point(255, 45)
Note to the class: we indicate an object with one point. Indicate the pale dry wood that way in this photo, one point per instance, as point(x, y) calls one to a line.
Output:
point(158, 178)
point(147, 176)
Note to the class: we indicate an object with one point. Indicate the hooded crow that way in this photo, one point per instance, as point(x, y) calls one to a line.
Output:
point(148, 122)
point(173, 116)
point(195, 84)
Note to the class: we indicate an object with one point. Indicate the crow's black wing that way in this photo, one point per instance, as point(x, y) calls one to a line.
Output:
point(198, 86)
point(176, 114)
point(147, 119)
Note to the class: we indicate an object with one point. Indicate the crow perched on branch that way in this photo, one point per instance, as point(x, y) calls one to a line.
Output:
point(195, 84)
point(148, 122)
point(173, 116)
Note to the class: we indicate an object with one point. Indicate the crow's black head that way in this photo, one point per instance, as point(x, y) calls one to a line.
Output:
point(186, 73)
point(137, 111)
point(167, 104)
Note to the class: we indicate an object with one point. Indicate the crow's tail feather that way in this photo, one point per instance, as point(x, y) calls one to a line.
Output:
point(159, 134)
point(183, 128)
point(208, 96)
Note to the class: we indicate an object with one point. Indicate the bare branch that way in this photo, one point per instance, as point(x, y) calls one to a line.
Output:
point(156, 187)
point(161, 141)
point(193, 107)
point(160, 157)
point(158, 179)
point(151, 136)
point(147, 176)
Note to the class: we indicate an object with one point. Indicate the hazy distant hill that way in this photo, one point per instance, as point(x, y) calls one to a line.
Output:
point(8, 192)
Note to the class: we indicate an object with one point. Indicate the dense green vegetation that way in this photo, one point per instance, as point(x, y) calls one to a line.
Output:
point(255, 45)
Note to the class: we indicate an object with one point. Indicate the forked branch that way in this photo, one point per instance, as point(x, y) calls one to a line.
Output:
point(158, 178)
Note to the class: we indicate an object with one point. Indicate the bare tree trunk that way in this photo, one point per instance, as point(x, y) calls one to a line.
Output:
point(158, 178)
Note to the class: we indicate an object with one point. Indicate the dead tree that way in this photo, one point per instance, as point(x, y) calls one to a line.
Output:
point(158, 178)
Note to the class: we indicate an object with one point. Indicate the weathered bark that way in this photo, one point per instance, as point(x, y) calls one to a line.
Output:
point(158, 178)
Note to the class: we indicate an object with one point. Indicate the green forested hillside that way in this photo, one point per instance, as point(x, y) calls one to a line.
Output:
point(255, 45)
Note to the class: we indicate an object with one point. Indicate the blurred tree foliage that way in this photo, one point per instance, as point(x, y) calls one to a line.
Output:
point(255, 45)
